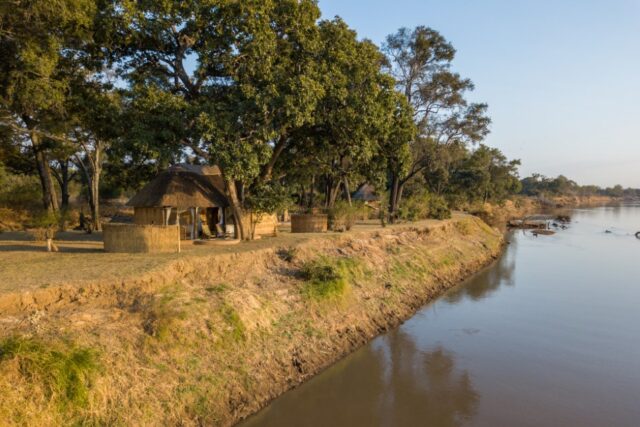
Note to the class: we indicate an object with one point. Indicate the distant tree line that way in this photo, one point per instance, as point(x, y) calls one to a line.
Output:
point(103, 94)
point(538, 185)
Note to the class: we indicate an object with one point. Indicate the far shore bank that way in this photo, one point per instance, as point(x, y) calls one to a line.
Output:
point(211, 339)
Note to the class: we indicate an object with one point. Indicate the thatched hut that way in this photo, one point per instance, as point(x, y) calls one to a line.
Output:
point(189, 196)
point(366, 193)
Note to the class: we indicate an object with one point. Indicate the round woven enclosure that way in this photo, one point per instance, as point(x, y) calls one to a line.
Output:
point(309, 223)
point(132, 238)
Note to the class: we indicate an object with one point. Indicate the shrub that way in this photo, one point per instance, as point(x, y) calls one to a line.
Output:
point(423, 206)
point(438, 208)
point(328, 278)
point(44, 225)
point(12, 220)
point(65, 371)
point(415, 207)
point(19, 191)
point(343, 216)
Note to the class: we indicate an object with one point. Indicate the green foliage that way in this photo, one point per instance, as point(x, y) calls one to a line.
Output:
point(343, 216)
point(485, 175)
point(237, 332)
point(328, 278)
point(424, 205)
point(540, 186)
point(438, 208)
point(268, 198)
point(65, 371)
point(420, 60)
point(19, 191)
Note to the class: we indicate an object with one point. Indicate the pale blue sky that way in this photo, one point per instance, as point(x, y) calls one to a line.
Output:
point(562, 78)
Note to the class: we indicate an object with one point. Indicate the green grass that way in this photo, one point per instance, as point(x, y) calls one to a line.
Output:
point(237, 331)
point(164, 314)
point(217, 289)
point(329, 278)
point(65, 371)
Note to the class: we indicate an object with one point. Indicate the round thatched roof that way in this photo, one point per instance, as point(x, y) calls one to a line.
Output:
point(366, 193)
point(182, 190)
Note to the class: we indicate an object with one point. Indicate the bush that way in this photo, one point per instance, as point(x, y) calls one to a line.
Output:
point(12, 220)
point(438, 208)
point(328, 278)
point(342, 217)
point(44, 225)
point(424, 206)
point(20, 192)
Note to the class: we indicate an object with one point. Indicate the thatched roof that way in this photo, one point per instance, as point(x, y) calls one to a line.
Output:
point(212, 172)
point(366, 193)
point(182, 189)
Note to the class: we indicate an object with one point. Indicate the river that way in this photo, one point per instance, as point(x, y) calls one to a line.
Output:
point(547, 336)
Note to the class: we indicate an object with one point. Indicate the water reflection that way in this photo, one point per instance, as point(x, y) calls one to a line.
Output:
point(396, 384)
point(423, 387)
point(489, 280)
point(560, 348)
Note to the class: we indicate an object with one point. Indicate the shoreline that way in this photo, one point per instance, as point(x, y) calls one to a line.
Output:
point(220, 337)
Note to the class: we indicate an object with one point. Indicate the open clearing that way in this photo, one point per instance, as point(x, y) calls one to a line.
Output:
point(26, 266)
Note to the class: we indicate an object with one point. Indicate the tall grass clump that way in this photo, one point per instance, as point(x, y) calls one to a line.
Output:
point(327, 278)
point(64, 371)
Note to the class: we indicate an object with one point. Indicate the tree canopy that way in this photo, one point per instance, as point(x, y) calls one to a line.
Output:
point(288, 105)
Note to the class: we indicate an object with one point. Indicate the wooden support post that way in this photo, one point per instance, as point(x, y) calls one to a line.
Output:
point(179, 233)
point(193, 223)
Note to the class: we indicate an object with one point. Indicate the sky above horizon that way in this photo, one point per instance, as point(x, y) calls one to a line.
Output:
point(562, 78)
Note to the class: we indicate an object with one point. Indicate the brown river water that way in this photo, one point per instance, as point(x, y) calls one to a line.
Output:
point(547, 336)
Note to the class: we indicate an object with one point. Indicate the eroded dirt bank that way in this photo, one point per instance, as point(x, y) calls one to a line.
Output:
point(216, 338)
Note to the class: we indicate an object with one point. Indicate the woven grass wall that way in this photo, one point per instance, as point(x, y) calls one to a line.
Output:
point(132, 238)
point(309, 223)
point(148, 216)
point(263, 225)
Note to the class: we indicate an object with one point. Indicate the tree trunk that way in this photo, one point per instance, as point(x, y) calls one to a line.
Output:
point(393, 197)
point(347, 190)
point(241, 229)
point(49, 197)
point(312, 192)
point(64, 184)
point(63, 179)
point(333, 194)
point(95, 194)
point(277, 151)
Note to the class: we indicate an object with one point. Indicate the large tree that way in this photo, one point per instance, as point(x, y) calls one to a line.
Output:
point(39, 44)
point(420, 60)
point(342, 144)
point(238, 76)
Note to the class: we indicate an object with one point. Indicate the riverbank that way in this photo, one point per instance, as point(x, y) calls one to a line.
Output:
point(218, 336)
point(520, 207)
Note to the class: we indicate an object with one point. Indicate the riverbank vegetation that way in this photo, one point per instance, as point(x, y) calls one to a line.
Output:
point(98, 97)
point(210, 338)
